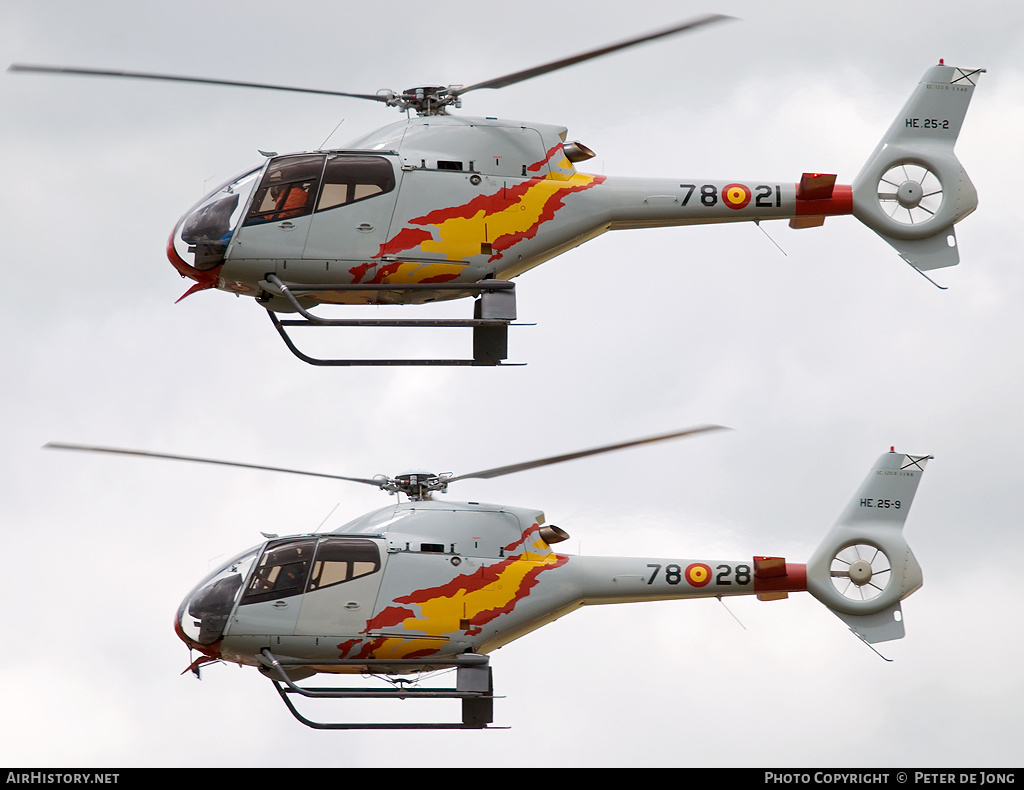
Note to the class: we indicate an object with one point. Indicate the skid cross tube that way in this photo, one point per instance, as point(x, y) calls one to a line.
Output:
point(473, 686)
point(493, 311)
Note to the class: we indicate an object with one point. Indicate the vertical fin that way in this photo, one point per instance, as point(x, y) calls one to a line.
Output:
point(864, 567)
point(913, 189)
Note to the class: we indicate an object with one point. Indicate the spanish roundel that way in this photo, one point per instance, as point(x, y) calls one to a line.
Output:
point(698, 574)
point(735, 196)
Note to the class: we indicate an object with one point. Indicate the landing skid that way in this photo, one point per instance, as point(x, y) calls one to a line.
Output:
point(493, 311)
point(473, 686)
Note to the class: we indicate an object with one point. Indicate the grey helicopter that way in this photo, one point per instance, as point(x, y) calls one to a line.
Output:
point(442, 206)
point(425, 585)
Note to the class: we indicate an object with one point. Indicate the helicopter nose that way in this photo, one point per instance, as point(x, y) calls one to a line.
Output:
point(204, 232)
point(204, 279)
point(203, 615)
point(180, 623)
point(200, 620)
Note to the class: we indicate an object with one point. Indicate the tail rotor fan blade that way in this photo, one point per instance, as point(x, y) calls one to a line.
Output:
point(860, 572)
point(910, 193)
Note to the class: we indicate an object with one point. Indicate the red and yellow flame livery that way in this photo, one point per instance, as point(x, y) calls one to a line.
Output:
point(475, 236)
point(463, 606)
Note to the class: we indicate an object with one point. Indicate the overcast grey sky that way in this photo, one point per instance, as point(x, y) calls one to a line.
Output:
point(820, 357)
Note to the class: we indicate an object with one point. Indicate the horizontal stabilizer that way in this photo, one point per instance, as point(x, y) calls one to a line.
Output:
point(815, 186)
point(814, 221)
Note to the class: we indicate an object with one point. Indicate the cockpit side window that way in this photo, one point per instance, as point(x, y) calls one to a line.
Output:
point(341, 560)
point(350, 178)
point(281, 572)
point(288, 189)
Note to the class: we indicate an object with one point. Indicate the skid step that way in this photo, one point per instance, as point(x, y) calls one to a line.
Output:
point(493, 311)
point(473, 686)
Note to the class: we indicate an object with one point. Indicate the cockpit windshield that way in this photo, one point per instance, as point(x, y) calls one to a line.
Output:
point(207, 228)
point(204, 613)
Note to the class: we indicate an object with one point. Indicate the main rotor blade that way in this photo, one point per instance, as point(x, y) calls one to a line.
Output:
point(557, 459)
point(519, 76)
point(116, 451)
point(174, 78)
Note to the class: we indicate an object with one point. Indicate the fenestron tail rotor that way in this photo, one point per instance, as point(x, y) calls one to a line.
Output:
point(860, 572)
point(910, 193)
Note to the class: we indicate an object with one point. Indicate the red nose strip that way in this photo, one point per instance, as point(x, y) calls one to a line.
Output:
point(203, 280)
point(212, 651)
